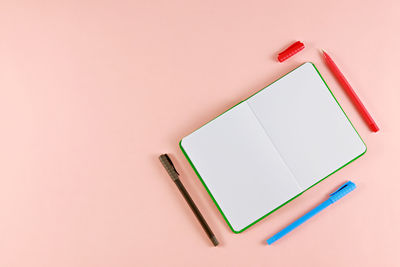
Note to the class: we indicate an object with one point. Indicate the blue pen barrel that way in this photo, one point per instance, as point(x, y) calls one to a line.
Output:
point(299, 221)
point(335, 196)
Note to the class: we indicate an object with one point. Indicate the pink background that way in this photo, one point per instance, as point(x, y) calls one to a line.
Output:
point(91, 92)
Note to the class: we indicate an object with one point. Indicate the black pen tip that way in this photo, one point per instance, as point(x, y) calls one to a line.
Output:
point(214, 241)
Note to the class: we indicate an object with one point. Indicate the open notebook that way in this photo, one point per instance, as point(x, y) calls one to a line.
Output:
point(273, 146)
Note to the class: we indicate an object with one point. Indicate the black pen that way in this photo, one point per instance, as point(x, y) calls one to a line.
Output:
point(169, 167)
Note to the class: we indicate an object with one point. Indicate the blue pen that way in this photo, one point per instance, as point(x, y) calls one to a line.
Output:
point(335, 196)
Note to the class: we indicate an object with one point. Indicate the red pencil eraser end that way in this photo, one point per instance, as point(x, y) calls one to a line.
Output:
point(374, 127)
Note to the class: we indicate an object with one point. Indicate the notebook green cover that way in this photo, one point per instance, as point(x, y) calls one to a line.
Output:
point(268, 149)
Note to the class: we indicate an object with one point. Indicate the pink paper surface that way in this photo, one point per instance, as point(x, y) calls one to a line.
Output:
point(91, 92)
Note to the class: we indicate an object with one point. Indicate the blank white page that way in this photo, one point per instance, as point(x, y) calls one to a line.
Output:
point(240, 166)
point(306, 125)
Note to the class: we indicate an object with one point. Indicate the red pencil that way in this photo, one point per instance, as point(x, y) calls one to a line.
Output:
point(350, 92)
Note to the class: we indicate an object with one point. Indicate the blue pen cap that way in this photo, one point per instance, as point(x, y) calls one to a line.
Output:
point(342, 191)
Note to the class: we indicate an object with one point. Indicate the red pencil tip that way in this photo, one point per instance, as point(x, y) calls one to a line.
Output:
point(325, 55)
